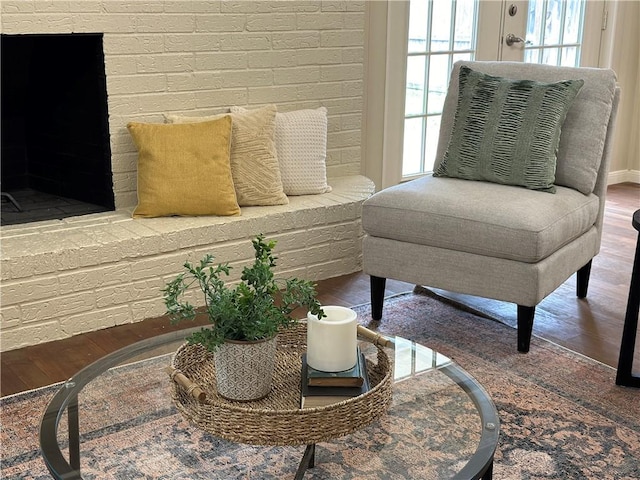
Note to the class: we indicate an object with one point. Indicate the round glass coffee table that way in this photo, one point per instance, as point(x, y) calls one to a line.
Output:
point(115, 419)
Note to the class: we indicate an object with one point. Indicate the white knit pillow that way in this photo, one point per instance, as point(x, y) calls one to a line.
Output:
point(301, 143)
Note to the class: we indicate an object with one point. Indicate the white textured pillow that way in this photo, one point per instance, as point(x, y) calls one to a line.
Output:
point(254, 162)
point(301, 142)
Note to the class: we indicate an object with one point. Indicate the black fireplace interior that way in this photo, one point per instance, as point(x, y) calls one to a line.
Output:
point(56, 157)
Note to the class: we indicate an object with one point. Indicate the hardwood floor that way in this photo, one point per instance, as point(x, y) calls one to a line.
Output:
point(592, 326)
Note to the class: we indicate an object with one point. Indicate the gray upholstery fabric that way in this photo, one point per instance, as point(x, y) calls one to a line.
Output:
point(585, 127)
point(480, 217)
point(489, 277)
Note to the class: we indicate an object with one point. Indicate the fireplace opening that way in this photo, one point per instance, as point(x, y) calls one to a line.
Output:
point(56, 156)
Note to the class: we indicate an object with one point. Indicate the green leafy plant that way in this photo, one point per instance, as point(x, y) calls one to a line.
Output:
point(254, 309)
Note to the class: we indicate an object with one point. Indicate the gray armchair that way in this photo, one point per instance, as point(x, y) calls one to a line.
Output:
point(487, 223)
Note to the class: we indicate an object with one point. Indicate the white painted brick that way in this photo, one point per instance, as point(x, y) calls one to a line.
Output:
point(330, 269)
point(319, 91)
point(210, 99)
point(350, 155)
point(59, 23)
point(10, 317)
point(342, 38)
point(257, 78)
point(271, 59)
point(352, 88)
point(320, 21)
point(120, 65)
point(354, 20)
point(191, 42)
point(245, 41)
point(159, 267)
point(123, 105)
point(34, 334)
point(353, 55)
point(333, 6)
point(287, 76)
point(93, 6)
point(8, 7)
point(356, 5)
point(343, 105)
point(93, 278)
point(129, 293)
point(220, 23)
point(295, 40)
point(127, 158)
point(60, 306)
point(139, 6)
point(165, 23)
point(187, 82)
point(212, 81)
point(163, 102)
point(128, 84)
point(124, 44)
point(121, 180)
point(320, 56)
point(273, 94)
point(345, 139)
point(147, 309)
point(239, 6)
point(50, 6)
point(242, 6)
point(91, 22)
point(29, 290)
point(192, 6)
point(222, 61)
point(350, 122)
point(97, 319)
point(335, 73)
point(178, 63)
point(270, 22)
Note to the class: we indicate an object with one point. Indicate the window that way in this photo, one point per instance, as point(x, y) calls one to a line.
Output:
point(554, 32)
point(440, 33)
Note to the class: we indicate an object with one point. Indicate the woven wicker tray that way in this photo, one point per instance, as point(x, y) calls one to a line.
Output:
point(277, 419)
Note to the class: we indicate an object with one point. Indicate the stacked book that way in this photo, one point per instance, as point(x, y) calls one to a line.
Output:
point(325, 388)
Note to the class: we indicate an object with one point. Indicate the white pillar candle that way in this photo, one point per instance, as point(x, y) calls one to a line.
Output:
point(332, 340)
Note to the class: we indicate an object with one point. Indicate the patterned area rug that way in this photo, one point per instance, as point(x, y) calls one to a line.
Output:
point(562, 416)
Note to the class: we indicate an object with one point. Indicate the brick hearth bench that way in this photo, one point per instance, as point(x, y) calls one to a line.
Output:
point(65, 277)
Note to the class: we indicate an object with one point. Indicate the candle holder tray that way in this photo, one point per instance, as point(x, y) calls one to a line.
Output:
point(277, 419)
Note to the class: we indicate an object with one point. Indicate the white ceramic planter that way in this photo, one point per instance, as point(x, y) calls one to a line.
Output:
point(244, 370)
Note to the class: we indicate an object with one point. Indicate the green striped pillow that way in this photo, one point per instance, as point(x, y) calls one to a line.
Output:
point(507, 131)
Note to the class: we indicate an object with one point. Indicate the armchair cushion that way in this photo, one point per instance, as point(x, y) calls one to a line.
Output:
point(507, 131)
point(584, 130)
point(479, 217)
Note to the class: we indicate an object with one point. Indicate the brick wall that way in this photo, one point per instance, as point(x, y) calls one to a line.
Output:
point(200, 57)
point(61, 278)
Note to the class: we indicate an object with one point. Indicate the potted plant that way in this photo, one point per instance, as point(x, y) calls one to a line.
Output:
point(245, 318)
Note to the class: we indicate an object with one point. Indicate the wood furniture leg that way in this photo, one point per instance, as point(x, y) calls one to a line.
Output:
point(627, 345)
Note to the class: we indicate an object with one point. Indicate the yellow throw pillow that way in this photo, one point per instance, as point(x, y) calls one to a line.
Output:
point(184, 169)
point(254, 161)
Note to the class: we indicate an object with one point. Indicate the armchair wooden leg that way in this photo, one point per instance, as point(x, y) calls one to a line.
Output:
point(525, 327)
point(583, 280)
point(377, 296)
